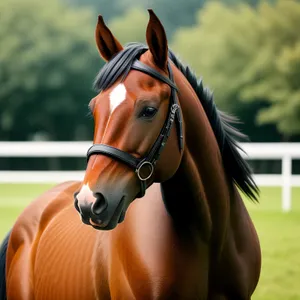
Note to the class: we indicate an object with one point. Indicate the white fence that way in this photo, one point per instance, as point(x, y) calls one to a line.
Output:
point(285, 152)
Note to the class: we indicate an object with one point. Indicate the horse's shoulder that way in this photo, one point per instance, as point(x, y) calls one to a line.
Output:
point(37, 215)
point(30, 228)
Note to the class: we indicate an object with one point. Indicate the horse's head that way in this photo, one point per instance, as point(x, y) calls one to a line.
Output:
point(135, 142)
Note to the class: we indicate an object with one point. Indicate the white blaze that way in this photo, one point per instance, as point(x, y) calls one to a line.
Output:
point(85, 193)
point(117, 96)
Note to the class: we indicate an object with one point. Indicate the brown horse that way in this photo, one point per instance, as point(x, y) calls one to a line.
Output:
point(188, 237)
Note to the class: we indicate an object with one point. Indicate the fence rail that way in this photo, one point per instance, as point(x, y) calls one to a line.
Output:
point(285, 152)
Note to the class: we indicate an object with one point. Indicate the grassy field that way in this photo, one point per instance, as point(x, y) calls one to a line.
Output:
point(279, 236)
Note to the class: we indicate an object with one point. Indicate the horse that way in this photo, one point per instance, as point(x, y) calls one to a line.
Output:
point(159, 213)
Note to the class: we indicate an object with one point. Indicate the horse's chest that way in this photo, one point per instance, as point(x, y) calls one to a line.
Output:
point(162, 284)
point(62, 268)
point(160, 270)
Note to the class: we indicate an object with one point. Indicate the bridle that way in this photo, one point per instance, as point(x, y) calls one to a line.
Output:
point(148, 162)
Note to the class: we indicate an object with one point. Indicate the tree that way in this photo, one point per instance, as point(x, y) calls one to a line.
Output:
point(182, 13)
point(248, 54)
point(174, 14)
point(48, 61)
point(130, 27)
point(278, 67)
point(109, 9)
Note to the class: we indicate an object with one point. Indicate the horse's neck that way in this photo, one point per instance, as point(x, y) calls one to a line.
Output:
point(185, 200)
point(198, 195)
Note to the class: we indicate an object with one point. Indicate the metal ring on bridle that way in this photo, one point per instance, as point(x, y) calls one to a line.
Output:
point(138, 170)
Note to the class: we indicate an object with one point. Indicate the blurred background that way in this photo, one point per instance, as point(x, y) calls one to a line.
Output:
point(248, 53)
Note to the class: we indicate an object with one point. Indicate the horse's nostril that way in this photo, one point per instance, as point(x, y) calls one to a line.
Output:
point(99, 205)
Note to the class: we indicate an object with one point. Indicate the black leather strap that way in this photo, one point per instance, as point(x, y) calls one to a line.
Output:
point(113, 152)
point(160, 143)
point(178, 117)
point(158, 146)
point(143, 189)
point(139, 66)
point(120, 155)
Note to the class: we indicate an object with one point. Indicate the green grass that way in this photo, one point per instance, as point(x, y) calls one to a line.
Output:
point(279, 236)
point(13, 199)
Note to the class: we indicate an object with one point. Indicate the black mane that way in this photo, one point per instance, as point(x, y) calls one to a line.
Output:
point(226, 135)
point(118, 65)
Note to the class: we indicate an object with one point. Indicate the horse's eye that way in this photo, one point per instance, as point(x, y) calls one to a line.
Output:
point(148, 112)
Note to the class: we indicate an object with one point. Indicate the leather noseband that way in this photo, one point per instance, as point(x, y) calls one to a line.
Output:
point(147, 163)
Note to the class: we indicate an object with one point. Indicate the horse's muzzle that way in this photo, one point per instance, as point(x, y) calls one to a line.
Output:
point(102, 213)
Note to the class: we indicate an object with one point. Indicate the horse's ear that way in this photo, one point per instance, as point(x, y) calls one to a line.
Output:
point(107, 44)
point(157, 40)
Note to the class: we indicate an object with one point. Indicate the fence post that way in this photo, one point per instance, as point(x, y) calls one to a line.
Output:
point(286, 180)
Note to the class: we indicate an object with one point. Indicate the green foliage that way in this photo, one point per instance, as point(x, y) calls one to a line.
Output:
point(218, 47)
point(109, 8)
point(48, 61)
point(175, 14)
point(278, 67)
point(172, 13)
point(252, 3)
point(182, 13)
point(131, 27)
point(249, 54)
